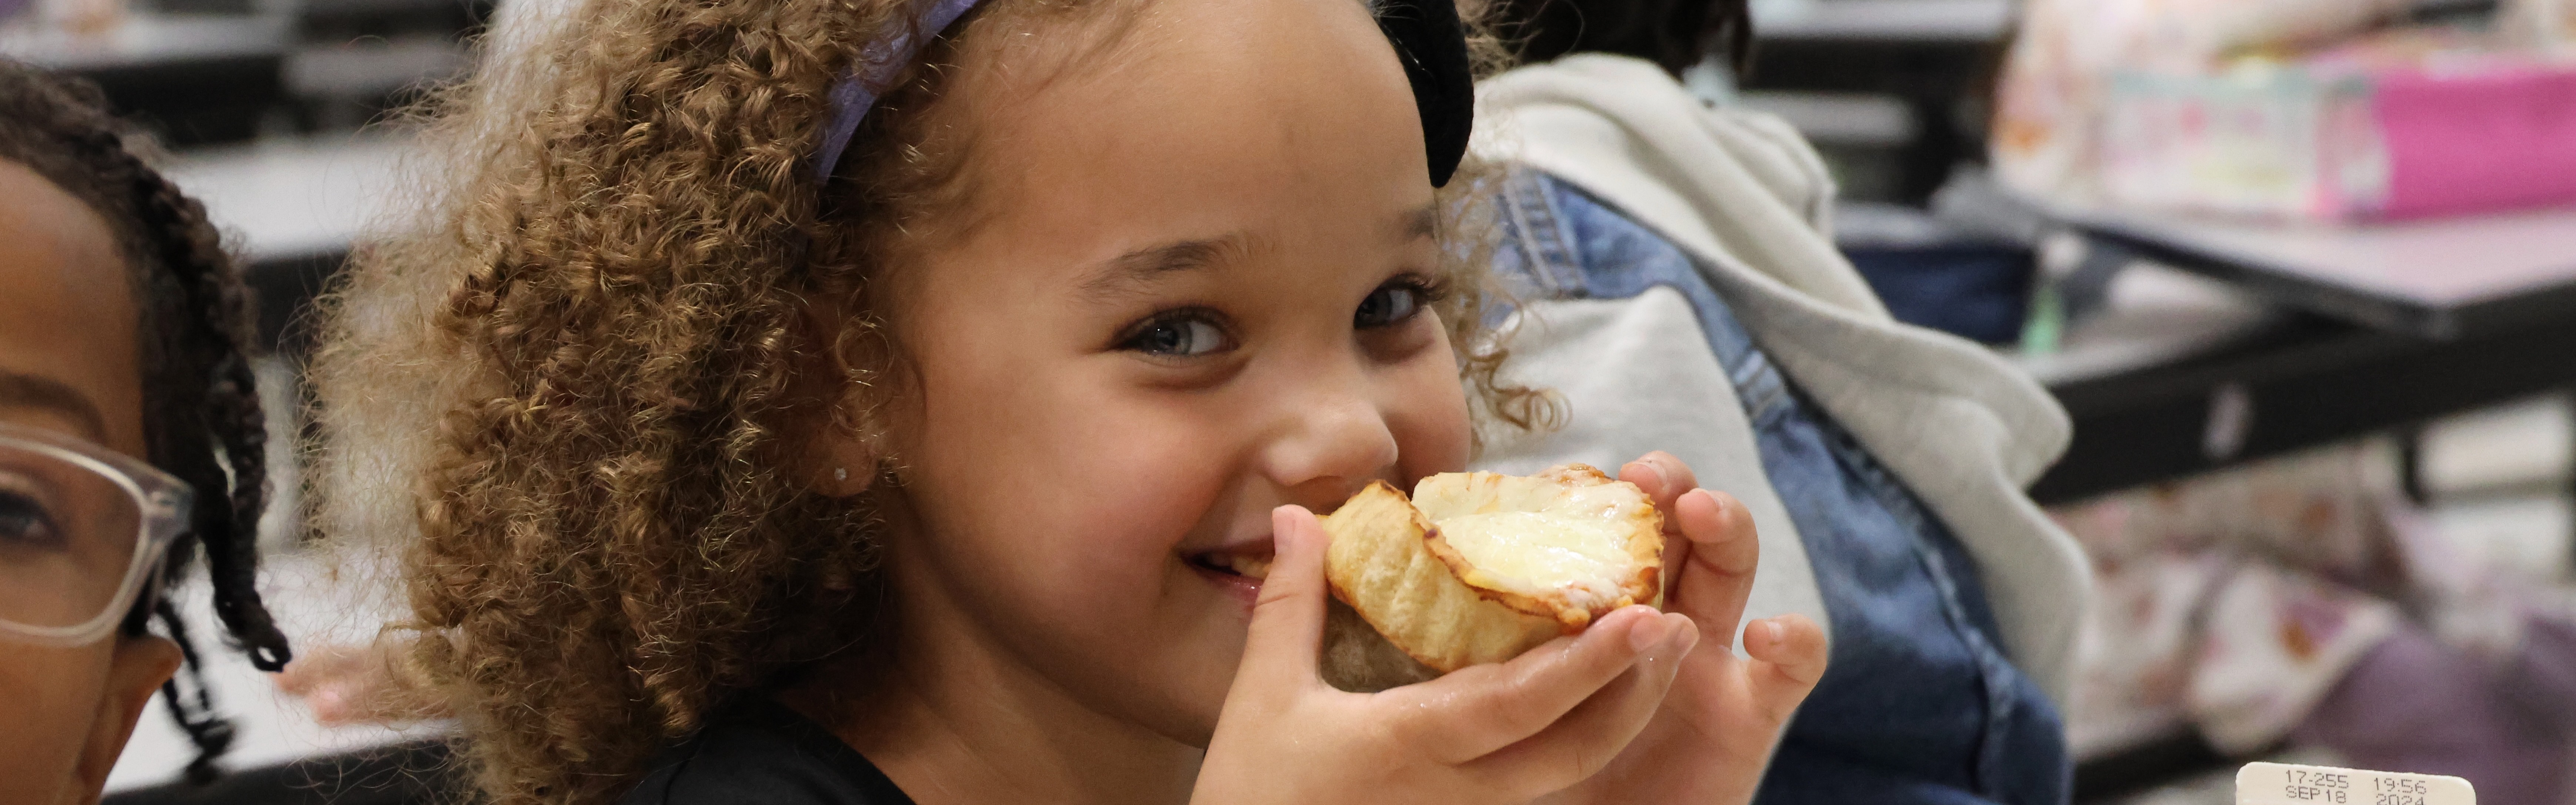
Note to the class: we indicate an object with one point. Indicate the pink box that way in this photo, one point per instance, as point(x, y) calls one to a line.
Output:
point(2488, 140)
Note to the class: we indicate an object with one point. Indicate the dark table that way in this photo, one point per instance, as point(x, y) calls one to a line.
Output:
point(2396, 324)
point(2400, 323)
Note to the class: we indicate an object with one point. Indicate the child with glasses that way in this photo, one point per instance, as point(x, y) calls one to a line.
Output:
point(131, 441)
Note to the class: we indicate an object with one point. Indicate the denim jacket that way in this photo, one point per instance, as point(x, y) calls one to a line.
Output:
point(1919, 703)
point(1751, 204)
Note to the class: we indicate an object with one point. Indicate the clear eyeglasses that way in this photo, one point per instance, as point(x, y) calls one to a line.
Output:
point(82, 530)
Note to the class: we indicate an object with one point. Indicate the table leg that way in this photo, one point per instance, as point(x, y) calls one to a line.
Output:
point(2410, 464)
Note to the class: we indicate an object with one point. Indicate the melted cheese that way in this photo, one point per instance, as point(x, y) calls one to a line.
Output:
point(1539, 549)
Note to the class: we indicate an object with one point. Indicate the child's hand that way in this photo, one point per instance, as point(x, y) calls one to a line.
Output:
point(1715, 731)
point(1501, 733)
point(347, 685)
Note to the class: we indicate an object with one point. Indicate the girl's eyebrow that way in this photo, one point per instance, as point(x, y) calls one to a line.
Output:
point(1418, 223)
point(1127, 274)
point(25, 391)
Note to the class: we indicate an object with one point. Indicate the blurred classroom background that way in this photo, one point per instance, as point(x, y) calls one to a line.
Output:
point(2303, 272)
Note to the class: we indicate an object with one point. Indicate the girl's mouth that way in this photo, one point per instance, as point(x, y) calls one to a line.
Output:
point(1238, 572)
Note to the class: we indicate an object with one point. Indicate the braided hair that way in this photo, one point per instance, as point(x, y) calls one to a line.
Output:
point(1672, 33)
point(201, 418)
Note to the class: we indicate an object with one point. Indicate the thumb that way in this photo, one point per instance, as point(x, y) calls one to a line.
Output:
point(1288, 615)
point(1788, 660)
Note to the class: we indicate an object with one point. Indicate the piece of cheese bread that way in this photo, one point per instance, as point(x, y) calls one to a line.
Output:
point(1478, 567)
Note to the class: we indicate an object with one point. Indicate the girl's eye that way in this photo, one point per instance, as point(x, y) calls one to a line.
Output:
point(1389, 305)
point(24, 523)
point(1183, 335)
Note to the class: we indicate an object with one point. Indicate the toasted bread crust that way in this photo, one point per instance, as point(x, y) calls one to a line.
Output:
point(1388, 562)
point(1380, 563)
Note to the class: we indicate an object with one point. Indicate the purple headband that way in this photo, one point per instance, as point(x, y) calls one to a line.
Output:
point(1429, 42)
point(878, 65)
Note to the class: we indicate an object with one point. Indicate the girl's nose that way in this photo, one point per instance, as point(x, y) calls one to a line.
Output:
point(1332, 439)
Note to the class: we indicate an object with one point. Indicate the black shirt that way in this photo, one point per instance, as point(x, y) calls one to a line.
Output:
point(758, 752)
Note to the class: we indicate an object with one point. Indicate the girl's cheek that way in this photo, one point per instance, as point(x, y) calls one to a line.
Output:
point(50, 694)
point(1434, 435)
point(1138, 489)
point(1429, 415)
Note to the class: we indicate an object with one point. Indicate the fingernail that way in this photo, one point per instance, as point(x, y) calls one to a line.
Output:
point(1644, 637)
point(1283, 521)
point(1764, 631)
point(1684, 639)
point(1656, 473)
point(1713, 502)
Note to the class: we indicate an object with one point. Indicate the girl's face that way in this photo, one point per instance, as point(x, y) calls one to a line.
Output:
point(68, 363)
point(1197, 286)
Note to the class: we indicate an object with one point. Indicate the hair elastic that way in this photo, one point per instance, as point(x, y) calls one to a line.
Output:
point(1428, 38)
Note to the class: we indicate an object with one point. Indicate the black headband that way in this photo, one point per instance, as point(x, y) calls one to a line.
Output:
point(1432, 45)
point(1428, 38)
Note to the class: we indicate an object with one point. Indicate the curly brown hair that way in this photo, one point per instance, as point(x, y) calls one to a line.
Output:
point(577, 376)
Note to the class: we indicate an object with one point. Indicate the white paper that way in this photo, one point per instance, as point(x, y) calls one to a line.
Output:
point(2291, 784)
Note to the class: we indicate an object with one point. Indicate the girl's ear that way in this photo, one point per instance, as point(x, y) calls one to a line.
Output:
point(847, 441)
point(845, 463)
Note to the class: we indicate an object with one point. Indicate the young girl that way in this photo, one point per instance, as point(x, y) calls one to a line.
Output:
point(949, 477)
point(130, 436)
